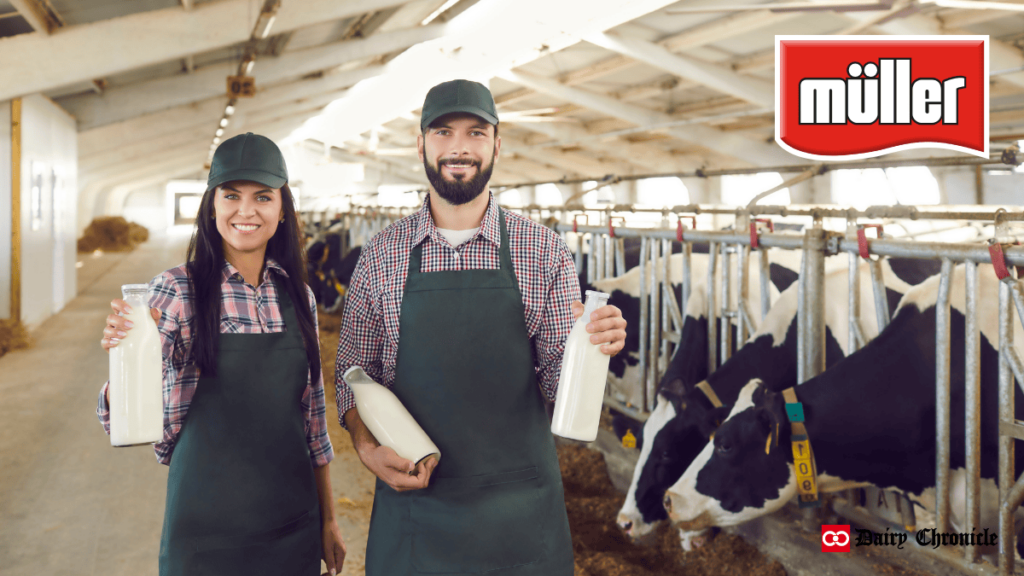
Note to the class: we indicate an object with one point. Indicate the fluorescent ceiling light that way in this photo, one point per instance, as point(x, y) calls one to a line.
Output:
point(972, 5)
point(220, 132)
point(229, 110)
point(223, 122)
point(263, 26)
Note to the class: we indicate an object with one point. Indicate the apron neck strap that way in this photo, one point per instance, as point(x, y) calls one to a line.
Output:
point(416, 255)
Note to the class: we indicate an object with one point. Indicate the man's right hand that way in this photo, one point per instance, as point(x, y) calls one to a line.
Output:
point(397, 472)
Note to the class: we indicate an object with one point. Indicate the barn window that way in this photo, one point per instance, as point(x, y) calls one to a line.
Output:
point(547, 195)
point(398, 194)
point(661, 192)
point(510, 197)
point(739, 189)
point(911, 185)
point(599, 198)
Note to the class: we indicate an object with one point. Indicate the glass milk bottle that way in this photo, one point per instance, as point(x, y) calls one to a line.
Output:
point(136, 376)
point(582, 381)
point(387, 419)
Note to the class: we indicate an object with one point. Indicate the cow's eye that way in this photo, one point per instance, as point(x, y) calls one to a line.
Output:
point(723, 448)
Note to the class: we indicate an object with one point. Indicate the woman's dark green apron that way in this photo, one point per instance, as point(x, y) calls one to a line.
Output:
point(241, 495)
point(465, 371)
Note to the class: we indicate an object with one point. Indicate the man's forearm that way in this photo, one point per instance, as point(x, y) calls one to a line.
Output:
point(362, 438)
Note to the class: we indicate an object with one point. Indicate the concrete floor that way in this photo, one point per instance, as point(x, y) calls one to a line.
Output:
point(69, 502)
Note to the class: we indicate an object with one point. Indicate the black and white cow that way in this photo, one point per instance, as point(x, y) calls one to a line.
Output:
point(870, 419)
point(684, 417)
point(624, 370)
point(328, 272)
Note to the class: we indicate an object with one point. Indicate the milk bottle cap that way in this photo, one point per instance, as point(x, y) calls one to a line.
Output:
point(595, 300)
point(134, 289)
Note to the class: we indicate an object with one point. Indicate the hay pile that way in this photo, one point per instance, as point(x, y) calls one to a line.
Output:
point(12, 336)
point(112, 234)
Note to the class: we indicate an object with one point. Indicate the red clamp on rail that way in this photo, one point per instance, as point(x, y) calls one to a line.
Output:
point(862, 239)
point(995, 251)
point(679, 226)
point(753, 230)
point(576, 217)
point(611, 229)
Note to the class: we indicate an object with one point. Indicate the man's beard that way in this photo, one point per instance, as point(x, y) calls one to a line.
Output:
point(460, 191)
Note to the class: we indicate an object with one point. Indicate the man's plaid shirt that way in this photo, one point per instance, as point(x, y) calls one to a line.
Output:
point(543, 265)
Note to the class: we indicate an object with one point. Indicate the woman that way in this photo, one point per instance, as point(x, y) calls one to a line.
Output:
point(248, 491)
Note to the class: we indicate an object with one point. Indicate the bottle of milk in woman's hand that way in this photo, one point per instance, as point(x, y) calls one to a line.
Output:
point(136, 369)
point(582, 381)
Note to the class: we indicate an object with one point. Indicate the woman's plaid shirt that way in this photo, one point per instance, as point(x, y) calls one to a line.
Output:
point(543, 265)
point(244, 310)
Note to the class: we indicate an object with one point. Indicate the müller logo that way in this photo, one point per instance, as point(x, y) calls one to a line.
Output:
point(862, 96)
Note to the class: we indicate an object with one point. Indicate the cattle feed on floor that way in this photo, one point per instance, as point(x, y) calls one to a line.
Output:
point(870, 418)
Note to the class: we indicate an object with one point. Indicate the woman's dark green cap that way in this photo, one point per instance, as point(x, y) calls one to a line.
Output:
point(248, 157)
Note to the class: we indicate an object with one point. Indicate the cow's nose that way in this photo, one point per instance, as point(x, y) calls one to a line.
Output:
point(627, 525)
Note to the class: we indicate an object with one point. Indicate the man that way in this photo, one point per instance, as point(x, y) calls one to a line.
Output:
point(463, 309)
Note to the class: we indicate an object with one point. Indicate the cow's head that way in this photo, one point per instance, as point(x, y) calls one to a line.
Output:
point(744, 472)
point(676, 432)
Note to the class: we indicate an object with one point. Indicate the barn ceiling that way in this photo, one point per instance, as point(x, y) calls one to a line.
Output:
point(584, 87)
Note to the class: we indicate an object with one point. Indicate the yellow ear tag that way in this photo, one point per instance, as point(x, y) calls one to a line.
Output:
point(768, 444)
point(629, 441)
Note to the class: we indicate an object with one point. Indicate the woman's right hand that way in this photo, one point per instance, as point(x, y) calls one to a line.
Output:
point(117, 326)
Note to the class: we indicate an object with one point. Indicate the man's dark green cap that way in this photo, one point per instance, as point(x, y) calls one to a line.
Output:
point(458, 96)
point(248, 157)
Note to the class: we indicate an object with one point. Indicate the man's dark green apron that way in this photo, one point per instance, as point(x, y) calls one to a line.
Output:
point(241, 495)
point(465, 371)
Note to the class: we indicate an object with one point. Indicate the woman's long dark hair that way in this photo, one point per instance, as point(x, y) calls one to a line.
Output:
point(204, 262)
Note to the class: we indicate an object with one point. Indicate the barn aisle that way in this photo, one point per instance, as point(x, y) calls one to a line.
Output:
point(73, 505)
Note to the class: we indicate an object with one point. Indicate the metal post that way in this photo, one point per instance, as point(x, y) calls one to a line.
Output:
point(620, 258)
point(742, 291)
point(712, 310)
point(666, 294)
point(972, 405)
point(654, 373)
point(597, 241)
point(942, 394)
point(644, 325)
point(854, 305)
point(726, 305)
point(766, 277)
point(609, 256)
point(1007, 474)
point(579, 252)
point(591, 263)
point(881, 302)
point(813, 303)
point(687, 273)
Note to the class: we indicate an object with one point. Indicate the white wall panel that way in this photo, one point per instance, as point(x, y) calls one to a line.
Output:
point(49, 160)
point(148, 207)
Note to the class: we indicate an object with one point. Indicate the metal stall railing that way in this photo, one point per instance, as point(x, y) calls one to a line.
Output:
point(816, 243)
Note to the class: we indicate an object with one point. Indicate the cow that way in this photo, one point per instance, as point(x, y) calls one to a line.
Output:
point(328, 272)
point(870, 419)
point(676, 426)
point(623, 368)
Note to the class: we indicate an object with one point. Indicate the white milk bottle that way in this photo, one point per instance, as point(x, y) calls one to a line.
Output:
point(136, 377)
point(582, 381)
point(387, 419)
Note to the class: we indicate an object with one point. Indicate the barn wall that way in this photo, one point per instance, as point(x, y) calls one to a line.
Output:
point(5, 209)
point(49, 165)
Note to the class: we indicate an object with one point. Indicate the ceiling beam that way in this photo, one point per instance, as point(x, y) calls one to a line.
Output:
point(43, 18)
point(733, 145)
point(1002, 56)
point(83, 52)
point(649, 157)
point(142, 128)
point(714, 31)
point(126, 102)
point(721, 78)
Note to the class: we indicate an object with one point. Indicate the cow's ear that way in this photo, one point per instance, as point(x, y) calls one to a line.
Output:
point(712, 420)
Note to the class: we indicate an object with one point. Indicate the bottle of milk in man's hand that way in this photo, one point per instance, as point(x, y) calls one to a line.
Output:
point(582, 381)
point(136, 374)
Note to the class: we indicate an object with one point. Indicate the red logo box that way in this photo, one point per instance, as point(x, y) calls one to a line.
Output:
point(835, 537)
point(853, 97)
